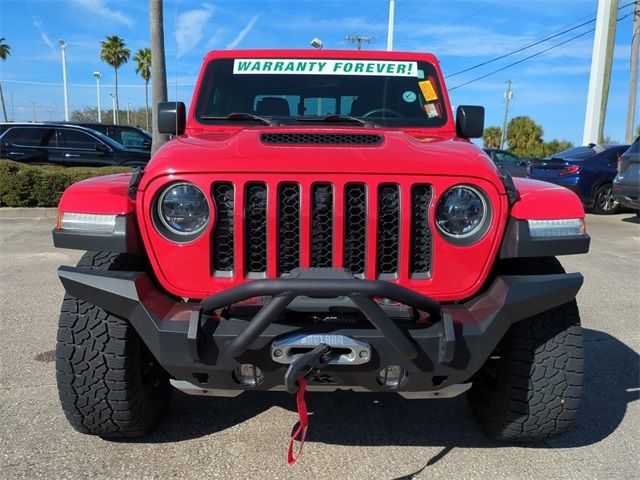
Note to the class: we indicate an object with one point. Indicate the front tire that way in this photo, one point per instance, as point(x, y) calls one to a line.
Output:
point(530, 387)
point(108, 382)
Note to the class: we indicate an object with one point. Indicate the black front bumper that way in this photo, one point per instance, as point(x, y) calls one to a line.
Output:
point(203, 343)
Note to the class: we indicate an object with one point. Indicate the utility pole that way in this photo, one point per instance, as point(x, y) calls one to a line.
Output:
point(358, 39)
point(33, 105)
point(392, 9)
point(128, 121)
point(508, 95)
point(633, 81)
point(65, 88)
point(599, 79)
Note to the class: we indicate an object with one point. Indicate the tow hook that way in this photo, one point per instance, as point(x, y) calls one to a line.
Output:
point(295, 381)
point(307, 365)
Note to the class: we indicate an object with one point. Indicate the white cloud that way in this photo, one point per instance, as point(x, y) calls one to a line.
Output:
point(43, 35)
point(103, 12)
point(190, 27)
point(243, 33)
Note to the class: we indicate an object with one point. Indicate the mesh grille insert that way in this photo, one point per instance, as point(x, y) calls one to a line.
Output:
point(388, 239)
point(323, 138)
point(322, 225)
point(222, 235)
point(355, 228)
point(421, 237)
point(288, 227)
point(255, 228)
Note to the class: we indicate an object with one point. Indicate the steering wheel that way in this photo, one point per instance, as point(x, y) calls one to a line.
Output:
point(384, 111)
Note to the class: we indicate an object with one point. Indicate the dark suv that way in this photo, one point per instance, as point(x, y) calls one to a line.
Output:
point(70, 145)
point(587, 171)
point(515, 165)
point(126, 135)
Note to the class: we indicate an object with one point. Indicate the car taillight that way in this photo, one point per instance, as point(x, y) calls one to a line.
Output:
point(569, 170)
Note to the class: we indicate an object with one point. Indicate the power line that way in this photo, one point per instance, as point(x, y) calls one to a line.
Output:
point(532, 56)
point(533, 44)
point(404, 17)
point(462, 19)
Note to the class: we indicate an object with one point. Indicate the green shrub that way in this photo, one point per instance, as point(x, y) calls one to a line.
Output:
point(23, 185)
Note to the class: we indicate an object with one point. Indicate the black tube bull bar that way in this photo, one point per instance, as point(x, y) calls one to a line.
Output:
point(324, 283)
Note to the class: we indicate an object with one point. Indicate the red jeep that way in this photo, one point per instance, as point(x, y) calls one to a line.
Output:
point(320, 218)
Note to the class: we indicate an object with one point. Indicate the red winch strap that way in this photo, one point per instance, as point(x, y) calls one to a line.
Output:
point(303, 423)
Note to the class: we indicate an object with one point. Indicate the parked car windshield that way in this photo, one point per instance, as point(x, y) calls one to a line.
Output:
point(391, 93)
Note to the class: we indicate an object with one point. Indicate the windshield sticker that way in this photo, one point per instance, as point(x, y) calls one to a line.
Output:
point(428, 91)
point(431, 110)
point(380, 68)
point(420, 74)
point(409, 96)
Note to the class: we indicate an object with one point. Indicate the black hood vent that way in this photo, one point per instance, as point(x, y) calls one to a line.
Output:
point(322, 138)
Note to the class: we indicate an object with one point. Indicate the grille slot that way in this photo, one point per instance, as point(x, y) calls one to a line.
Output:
point(288, 227)
point(421, 237)
point(222, 236)
point(322, 138)
point(388, 238)
point(355, 228)
point(322, 225)
point(255, 231)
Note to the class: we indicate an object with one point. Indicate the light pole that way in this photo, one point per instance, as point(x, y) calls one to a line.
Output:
point(392, 8)
point(33, 104)
point(63, 45)
point(128, 122)
point(98, 76)
point(113, 107)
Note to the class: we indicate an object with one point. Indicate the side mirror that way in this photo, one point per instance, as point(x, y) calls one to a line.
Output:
point(102, 148)
point(172, 118)
point(470, 121)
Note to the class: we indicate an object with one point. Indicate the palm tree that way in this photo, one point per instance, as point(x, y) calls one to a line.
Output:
point(115, 53)
point(159, 72)
point(143, 68)
point(5, 51)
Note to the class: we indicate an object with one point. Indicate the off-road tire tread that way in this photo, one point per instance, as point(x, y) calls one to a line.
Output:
point(539, 384)
point(98, 367)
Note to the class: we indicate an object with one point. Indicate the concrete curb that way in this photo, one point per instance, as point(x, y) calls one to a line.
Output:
point(7, 213)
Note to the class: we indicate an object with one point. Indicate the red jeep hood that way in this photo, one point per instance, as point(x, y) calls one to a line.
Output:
point(242, 151)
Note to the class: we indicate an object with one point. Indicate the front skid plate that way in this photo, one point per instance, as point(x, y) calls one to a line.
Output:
point(446, 392)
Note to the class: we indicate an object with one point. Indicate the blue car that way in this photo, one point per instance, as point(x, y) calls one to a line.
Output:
point(588, 171)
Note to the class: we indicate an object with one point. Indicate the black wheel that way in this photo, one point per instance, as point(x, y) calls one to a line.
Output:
point(604, 202)
point(529, 389)
point(108, 381)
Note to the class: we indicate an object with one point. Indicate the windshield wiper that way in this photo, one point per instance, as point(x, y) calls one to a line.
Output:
point(243, 117)
point(337, 118)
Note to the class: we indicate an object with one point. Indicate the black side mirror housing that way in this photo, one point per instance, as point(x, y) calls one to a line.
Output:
point(102, 148)
point(470, 121)
point(172, 118)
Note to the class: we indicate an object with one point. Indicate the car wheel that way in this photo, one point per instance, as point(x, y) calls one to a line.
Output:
point(605, 203)
point(529, 388)
point(109, 383)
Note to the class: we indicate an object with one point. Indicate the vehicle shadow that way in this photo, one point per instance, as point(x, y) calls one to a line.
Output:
point(633, 219)
point(347, 418)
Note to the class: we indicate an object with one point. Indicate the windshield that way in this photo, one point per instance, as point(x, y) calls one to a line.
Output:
point(389, 93)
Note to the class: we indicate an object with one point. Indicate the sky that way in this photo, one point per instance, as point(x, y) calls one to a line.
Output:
point(551, 87)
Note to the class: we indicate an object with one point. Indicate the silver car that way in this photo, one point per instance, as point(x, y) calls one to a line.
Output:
point(626, 185)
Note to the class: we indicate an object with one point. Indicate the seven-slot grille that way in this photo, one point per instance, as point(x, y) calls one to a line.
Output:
point(318, 202)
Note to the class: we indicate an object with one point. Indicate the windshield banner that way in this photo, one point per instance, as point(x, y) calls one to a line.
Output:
point(321, 66)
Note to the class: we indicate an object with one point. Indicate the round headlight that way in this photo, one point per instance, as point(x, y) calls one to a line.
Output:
point(183, 209)
point(462, 212)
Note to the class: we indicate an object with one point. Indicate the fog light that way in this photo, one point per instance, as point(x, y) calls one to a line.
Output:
point(249, 375)
point(393, 376)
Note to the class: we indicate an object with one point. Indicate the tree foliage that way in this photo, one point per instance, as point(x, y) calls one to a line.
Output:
point(491, 137)
point(114, 51)
point(5, 49)
point(524, 136)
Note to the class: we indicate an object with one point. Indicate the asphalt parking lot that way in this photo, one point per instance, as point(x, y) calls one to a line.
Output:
point(351, 435)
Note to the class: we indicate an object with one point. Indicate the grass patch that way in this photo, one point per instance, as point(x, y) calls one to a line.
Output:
point(23, 185)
